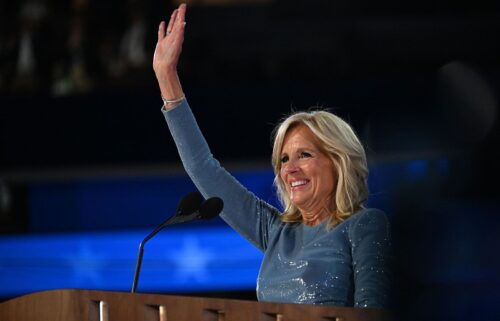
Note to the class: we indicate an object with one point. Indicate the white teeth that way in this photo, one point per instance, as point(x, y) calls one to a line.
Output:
point(298, 183)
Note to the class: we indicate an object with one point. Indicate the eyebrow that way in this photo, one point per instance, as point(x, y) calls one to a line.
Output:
point(303, 149)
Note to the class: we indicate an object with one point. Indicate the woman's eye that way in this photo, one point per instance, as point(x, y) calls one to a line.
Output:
point(305, 155)
point(284, 159)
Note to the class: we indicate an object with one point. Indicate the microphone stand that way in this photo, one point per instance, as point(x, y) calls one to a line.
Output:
point(141, 252)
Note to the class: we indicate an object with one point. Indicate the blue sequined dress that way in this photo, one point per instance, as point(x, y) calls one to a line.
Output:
point(344, 266)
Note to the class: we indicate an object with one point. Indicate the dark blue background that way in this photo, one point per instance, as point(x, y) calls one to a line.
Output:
point(86, 173)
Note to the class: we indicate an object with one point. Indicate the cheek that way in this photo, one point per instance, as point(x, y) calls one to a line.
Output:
point(332, 180)
point(330, 183)
point(283, 179)
point(326, 176)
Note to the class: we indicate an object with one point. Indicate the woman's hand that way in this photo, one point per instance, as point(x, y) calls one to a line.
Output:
point(167, 52)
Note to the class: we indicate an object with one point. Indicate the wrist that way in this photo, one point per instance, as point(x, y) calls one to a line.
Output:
point(172, 101)
point(169, 104)
point(170, 87)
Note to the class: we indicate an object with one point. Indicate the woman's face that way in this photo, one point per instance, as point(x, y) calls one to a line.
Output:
point(306, 171)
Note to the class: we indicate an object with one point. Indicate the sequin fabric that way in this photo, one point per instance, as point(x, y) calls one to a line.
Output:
point(348, 265)
point(345, 266)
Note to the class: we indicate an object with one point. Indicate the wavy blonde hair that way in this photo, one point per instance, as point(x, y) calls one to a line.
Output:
point(339, 142)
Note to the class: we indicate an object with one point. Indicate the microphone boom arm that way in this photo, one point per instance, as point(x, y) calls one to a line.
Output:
point(141, 252)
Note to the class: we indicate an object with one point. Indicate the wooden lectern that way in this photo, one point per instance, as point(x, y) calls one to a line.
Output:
point(87, 305)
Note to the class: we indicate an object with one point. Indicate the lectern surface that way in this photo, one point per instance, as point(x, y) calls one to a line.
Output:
point(88, 305)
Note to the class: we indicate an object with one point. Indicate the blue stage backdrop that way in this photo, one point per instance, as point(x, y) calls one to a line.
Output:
point(178, 260)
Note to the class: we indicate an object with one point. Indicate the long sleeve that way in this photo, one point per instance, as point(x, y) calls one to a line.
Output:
point(369, 236)
point(251, 217)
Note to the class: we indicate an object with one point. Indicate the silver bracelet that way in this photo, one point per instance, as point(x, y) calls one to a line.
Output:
point(172, 101)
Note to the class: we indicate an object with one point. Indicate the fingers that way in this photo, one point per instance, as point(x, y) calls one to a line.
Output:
point(161, 31)
point(176, 21)
point(176, 26)
point(179, 34)
point(180, 18)
point(173, 17)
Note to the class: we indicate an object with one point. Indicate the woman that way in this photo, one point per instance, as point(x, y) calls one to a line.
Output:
point(326, 248)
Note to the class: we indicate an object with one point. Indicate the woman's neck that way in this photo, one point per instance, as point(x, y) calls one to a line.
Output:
point(314, 214)
point(314, 218)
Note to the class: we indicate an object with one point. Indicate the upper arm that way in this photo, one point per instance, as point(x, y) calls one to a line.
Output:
point(369, 235)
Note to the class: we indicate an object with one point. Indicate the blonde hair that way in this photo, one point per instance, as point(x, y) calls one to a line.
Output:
point(339, 142)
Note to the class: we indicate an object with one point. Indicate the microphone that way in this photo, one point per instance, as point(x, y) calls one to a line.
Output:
point(211, 208)
point(207, 210)
point(191, 207)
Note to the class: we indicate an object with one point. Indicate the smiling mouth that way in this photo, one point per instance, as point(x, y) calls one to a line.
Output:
point(299, 183)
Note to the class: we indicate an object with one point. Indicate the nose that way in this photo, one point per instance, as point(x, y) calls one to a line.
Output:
point(290, 167)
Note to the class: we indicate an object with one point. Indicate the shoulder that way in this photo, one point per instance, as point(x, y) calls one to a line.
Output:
point(368, 215)
point(368, 220)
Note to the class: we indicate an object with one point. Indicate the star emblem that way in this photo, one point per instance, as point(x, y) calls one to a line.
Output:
point(191, 261)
